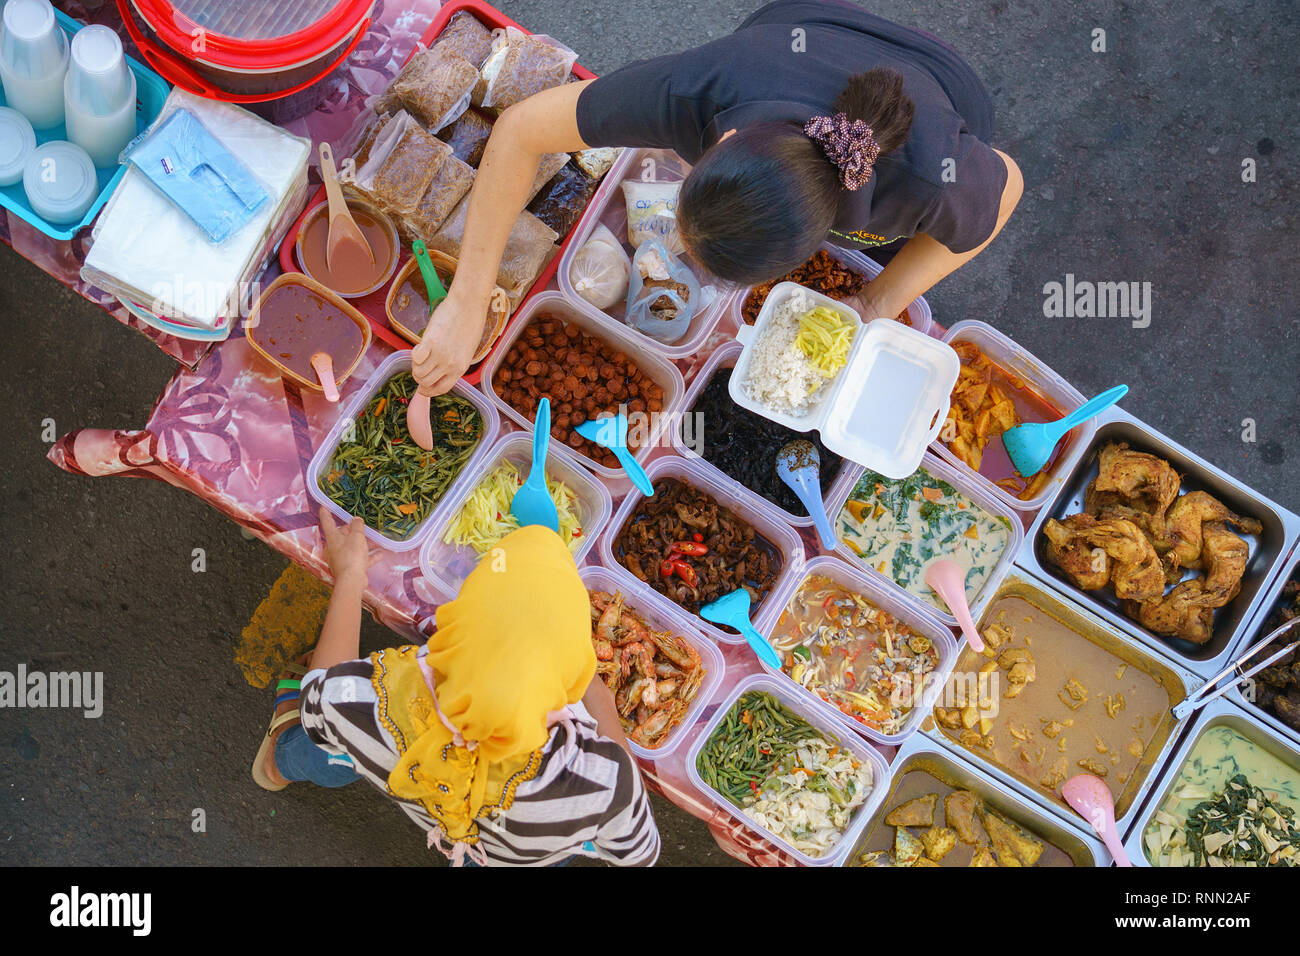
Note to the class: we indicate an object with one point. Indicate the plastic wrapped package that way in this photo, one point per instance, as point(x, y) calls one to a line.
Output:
point(600, 269)
point(596, 162)
point(451, 181)
point(562, 200)
point(551, 164)
point(368, 136)
point(468, 136)
point(521, 65)
point(528, 248)
point(652, 213)
point(662, 293)
point(467, 37)
point(434, 86)
point(401, 165)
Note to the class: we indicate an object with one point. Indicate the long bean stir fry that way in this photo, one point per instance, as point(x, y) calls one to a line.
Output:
point(380, 474)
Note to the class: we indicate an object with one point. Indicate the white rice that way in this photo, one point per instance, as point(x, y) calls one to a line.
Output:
point(780, 376)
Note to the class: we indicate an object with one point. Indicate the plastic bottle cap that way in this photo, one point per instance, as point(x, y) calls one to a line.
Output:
point(17, 140)
point(60, 181)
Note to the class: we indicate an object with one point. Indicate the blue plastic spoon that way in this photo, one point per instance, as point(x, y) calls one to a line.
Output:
point(1030, 445)
point(532, 503)
point(733, 610)
point(799, 466)
point(611, 432)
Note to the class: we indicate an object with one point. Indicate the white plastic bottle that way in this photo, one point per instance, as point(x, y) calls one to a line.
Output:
point(33, 61)
point(99, 95)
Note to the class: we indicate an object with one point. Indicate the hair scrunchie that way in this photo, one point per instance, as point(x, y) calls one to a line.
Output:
point(849, 144)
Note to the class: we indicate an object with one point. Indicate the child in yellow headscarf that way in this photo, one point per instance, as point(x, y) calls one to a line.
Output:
point(495, 736)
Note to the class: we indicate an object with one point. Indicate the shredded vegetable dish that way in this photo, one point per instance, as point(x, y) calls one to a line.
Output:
point(485, 517)
point(853, 655)
point(784, 774)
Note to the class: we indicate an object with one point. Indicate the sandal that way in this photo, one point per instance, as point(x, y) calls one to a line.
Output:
point(286, 689)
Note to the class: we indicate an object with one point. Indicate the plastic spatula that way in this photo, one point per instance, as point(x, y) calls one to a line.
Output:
point(417, 411)
point(799, 466)
point(345, 239)
point(611, 432)
point(733, 610)
point(948, 580)
point(1030, 445)
point(323, 365)
point(532, 503)
point(1090, 798)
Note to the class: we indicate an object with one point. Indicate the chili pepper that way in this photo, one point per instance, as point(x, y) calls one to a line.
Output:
point(666, 568)
point(379, 409)
point(753, 785)
point(408, 509)
point(692, 548)
point(697, 537)
point(403, 400)
point(746, 718)
point(684, 571)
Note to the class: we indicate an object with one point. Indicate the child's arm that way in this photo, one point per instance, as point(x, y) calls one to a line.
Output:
point(345, 549)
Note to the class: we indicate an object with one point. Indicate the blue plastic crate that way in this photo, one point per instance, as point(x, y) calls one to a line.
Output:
point(150, 93)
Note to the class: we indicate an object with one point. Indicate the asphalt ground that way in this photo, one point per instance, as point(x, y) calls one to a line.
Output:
point(1133, 160)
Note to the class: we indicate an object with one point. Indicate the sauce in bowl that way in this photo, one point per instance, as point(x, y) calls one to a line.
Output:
point(293, 321)
point(355, 275)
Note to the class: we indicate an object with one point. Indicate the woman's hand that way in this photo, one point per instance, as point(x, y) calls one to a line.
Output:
point(448, 344)
point(345, 549)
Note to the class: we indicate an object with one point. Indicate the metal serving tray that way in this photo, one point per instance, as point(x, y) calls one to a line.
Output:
point(1178, 681)
point(920, 753)
point(1211, 715)
point(1281, 528)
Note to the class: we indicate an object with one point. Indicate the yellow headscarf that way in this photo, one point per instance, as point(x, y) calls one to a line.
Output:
point(514, 646)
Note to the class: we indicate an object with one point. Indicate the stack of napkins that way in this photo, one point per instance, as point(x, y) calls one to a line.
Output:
point(150, 251)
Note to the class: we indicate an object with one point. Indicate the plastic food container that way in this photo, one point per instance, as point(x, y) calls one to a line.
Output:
point(59, 180)
point(321, 210)
point(448, 565)
point(759, 514)
point(401, 362)
point(918, 312)
point(833, 730)
point(1256, 631)
point(725, 357)
point(886, 404)
point(251, 329)
point(608, 208)
point(887, 600)
point(1013, 358)
point(662, 372)
point(445, 266)
point(981, 498)
point(17, 142)
point(664, 617)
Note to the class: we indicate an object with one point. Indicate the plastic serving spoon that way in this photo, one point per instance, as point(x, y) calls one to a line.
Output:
point(799, 466)
point(324, 367)
point(417, 410)
point(611, 432)
point(532, 503)
point(949, 582)
point(1030, 445)
point(733, 610)
point(1090, 798)
point(345, 236)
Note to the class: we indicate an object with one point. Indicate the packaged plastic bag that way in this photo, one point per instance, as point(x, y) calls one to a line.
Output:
point(468, 136)
point(601, 269)
point(596, 162)
point(401, 165)
point(551, 164)
point(562, 200)
point(528, 248)
point(652, 213)
point(451, 181)
point(467, 37)
point(520, 65)
point(374, 126)
point(435, 86)
point(662, 294)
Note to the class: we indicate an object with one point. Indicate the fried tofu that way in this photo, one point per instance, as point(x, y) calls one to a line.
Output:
point(938, 842)
point(914, 813)
point(959, 809)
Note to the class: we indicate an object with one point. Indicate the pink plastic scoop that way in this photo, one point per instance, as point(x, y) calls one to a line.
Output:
point(324, 366)
point(1091, 799)
point(949, 582)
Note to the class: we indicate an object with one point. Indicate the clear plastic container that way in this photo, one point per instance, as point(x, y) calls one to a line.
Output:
point(33, 61)
point(60, 182)
point(608, 207)
point(758, 513)
point(1015, 359)
point(976, 493)
point(888, 600)
point(646, 353)
point(99, 95)
point(918, 312)
point(662, 616)
point(401, 362)
point(725, 357)
point(17, 141)
point(447, 565)
point(861, 749)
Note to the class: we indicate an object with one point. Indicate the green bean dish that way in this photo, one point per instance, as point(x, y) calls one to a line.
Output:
point(382, 476)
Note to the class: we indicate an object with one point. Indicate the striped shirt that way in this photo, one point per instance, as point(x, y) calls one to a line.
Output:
point(588, 789)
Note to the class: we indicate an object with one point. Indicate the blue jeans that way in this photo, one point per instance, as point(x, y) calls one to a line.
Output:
point(297, 758)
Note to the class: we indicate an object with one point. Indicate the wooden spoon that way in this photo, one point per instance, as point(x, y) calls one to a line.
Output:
point(345, 237)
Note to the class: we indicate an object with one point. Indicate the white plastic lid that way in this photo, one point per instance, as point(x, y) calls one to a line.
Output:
point(17, 140)
point(60, 181)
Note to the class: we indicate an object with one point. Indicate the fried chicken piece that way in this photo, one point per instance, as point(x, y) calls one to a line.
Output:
point(938, 842)
point(959, 809)
point(1186, 612)
point(1013, 845)
point(914, 813)
point(1137, 476)
point(1070, 551)
point(1224, 556)
point(1135, 570)
point(1182, 529)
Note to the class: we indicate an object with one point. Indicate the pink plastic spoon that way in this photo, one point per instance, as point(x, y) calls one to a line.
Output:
point(948, 580)
point(1091, 799)
point(324, 366)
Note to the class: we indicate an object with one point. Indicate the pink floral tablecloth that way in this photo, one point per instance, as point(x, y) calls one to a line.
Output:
point(233, 432)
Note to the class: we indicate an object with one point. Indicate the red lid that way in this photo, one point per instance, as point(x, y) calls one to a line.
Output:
point(253, 35)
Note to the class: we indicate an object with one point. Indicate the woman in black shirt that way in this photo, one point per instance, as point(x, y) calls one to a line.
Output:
point(815, 121)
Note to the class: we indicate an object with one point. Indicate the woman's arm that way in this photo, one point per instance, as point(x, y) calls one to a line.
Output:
point(599, 702)
point(348, 556)
point(922, 261)
point(544, 123)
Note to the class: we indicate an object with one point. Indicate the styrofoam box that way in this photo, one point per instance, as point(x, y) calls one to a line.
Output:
point(395, 363)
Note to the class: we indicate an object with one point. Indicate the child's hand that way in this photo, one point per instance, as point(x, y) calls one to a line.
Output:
point(345, 548)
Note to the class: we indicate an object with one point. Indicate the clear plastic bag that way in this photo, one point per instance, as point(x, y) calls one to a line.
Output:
point(521, 65)
point(562, 200)
point(435, 86)
point(652, 213)
point(467, 37)
point(451, 182)
point(401, 165)
point(662, 294)
point(601, 269)
point(528, 248)
point(468, 136)
point(551, 164)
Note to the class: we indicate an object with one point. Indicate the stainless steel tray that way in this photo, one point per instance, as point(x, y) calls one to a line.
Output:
point(1267, 549)
point(950, 767)
point(1212, 714)
point(1177, 680)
